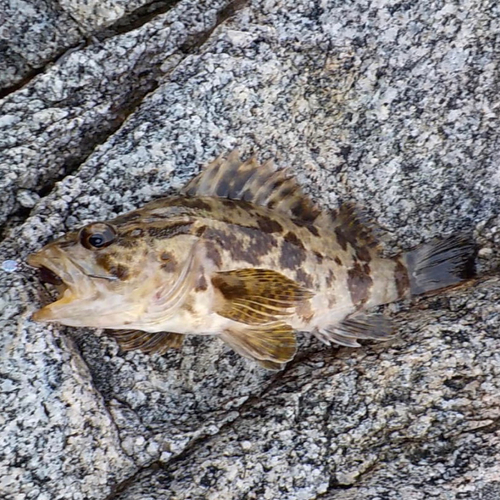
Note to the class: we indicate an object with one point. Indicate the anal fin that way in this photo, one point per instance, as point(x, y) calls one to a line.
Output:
point(358, 327)
point(270, 345)
point(148, 343)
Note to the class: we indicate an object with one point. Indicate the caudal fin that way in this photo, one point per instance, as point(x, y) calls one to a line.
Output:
point(441, 264)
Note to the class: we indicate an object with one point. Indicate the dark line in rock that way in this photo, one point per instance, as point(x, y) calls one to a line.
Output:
point(130, 22)
point(144, 82)
point(14, 219)
point(157, 465)
point(136, 18)
point(5, 92)
point(227, 12)
point(130, 481)
point(21, 83)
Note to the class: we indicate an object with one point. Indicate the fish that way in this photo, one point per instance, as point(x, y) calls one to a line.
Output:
point(242, 253)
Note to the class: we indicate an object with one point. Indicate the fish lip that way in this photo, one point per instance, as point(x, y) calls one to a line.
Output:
point(40, 260)
point(56, 261)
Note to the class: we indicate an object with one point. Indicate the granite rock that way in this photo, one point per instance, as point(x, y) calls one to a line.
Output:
point(53, 123)
point(36, 33)
point(389, 105)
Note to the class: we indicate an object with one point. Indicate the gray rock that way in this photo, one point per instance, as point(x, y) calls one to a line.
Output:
point(414, 420)
point(32, 34)
point(35, 33)
point(51, 125)
point(392, 106)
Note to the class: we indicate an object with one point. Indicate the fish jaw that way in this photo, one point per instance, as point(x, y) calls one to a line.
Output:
point(52, 312)
point(88, 300)
point(55, 260)
point(75, 287)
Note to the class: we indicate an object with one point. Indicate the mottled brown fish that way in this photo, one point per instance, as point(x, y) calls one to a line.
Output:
point(243, 254)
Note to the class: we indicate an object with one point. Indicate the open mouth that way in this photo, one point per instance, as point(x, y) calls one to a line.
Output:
point(53, 286)
point(55, 273)
point(48, 276)
point(54, 281)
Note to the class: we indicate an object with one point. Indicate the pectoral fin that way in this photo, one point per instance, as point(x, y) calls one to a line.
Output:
point(148, 343)
point(270, 345)
point(257, 296)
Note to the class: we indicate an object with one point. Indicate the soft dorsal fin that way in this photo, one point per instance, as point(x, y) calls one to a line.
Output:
point(270, 345)
point(148, 343)
point(250, 181)
point(257, 296)
point(351, 225)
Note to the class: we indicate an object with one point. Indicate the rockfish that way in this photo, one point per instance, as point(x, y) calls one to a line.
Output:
point(244, 254)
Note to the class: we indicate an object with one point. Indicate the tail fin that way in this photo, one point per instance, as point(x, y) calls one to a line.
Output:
point(441, 264)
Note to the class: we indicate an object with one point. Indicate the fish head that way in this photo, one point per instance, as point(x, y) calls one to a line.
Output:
point(110, 276)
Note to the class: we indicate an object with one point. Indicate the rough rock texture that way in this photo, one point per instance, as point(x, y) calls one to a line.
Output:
point(35, 33)
point(393, 105)
point(51, 125)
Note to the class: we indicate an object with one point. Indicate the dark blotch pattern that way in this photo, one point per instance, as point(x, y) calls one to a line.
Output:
point(269, 225)
point(197, 203)
point(319, 257)
point(238, 182)
point(228, 203)
point(402, 279)
point(119, 271)
point(302, 210)
point(363, 253)
point(338, 261)
point(200, 231)
point(304, 278)
point(341, 238)
point(201, 284)
point(259, 245)
point(292, 255)
point(213, 253)
point(330, 278)
point(105, 261)
point(222, 187)
point(354, 233)
point(246, 244)
point(169, 262)
point(294, 240)
point(310, 227)
point(359, 283)
point(165, 232)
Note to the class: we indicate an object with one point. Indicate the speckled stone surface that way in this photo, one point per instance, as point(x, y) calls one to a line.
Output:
point(36, 33)
point(51, 125)
point(31, 34)
point(391, 105)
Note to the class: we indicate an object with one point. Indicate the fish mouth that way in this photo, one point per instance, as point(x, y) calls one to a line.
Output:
point(56, 269)
point(48, 276)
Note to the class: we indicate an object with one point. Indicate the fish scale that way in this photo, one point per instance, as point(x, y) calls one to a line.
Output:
point(241, 253)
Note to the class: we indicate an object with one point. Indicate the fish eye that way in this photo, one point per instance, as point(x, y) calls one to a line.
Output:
point(98, 235)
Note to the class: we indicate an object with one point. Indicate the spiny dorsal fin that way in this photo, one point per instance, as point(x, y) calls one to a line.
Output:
point(257, 296)
point(148, 343)
point(262, 185)
point(358, 327)
point(270, 345)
